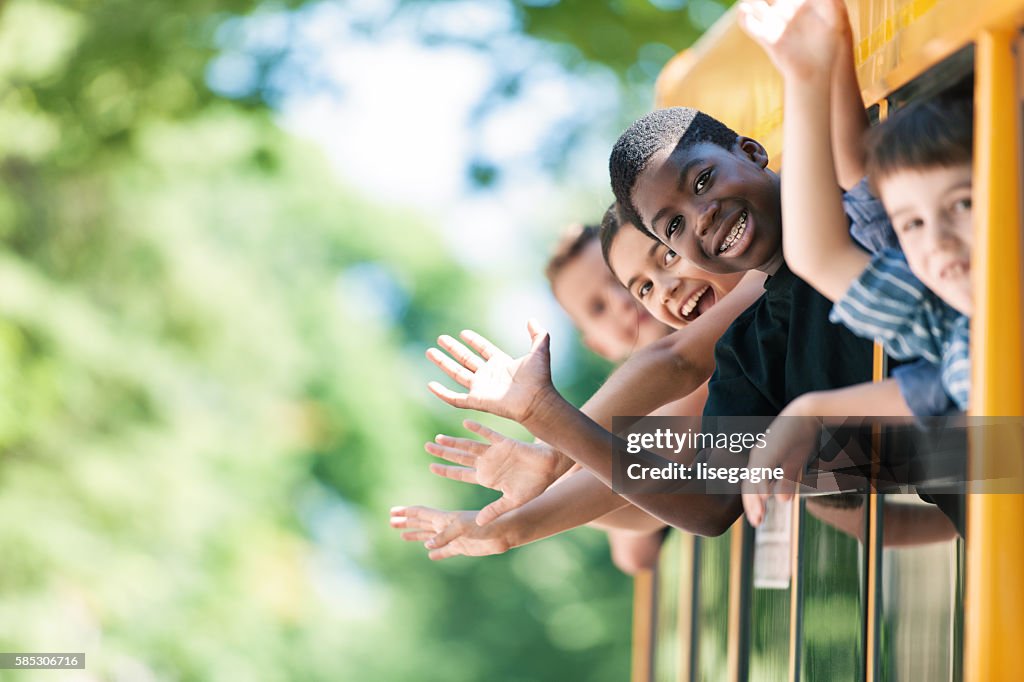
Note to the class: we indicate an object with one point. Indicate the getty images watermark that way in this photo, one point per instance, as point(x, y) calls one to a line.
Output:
point(722, 455)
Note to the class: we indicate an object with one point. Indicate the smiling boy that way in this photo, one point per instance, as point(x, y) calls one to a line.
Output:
point(669, 287)
point(707, 193)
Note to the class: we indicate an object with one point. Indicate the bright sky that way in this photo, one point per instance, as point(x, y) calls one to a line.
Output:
point(394, 118)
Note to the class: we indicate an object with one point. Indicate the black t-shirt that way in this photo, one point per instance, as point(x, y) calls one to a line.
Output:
point(781, 347)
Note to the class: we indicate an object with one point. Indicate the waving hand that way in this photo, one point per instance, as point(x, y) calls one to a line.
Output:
point(448, 533)
point(514, 388)
point(521, 471)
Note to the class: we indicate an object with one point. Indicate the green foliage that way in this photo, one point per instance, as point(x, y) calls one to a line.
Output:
point(207, 404)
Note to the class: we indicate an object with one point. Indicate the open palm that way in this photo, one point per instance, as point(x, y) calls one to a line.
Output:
point(514, 388)
point(448, 533)
point(521, 471)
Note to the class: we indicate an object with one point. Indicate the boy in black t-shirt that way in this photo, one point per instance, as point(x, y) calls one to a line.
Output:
point(707, 193)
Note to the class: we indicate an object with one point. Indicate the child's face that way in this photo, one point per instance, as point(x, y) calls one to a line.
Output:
point(672, 289)
point(930, 210)
point(610, 321)
point(717, 208)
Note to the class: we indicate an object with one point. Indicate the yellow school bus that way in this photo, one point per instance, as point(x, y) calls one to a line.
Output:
point(835, 593)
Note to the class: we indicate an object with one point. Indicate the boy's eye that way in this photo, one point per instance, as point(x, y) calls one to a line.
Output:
point(673, 226)
point(644, 289)
point(962, 205)
point(912, 225)
point(702, 181)
point(669, 258)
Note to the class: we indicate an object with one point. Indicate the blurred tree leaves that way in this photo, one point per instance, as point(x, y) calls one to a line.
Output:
point(632, 37)
point(211, 389)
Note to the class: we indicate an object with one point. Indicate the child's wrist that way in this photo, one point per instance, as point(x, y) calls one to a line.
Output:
point(807, 76)
point(508, 532)
point(560, 464)
point(543, 410)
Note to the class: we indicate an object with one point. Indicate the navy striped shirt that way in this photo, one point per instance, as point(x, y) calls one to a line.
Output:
point(890, 304)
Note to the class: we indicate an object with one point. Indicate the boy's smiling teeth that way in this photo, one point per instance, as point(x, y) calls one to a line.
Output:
point(692, 302)
point(735, 233)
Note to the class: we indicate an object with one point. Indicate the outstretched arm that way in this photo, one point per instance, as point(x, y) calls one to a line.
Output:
point(800, 36)
point(794, 435)
point(578, 500)
point(565, 427)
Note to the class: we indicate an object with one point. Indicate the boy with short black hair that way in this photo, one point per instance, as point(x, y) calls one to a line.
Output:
point(719, 206)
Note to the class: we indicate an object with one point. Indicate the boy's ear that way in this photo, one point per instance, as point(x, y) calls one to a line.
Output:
point(753, 150)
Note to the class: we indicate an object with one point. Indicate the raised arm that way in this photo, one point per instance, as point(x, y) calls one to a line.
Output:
point(801, 38)
point(849, 120)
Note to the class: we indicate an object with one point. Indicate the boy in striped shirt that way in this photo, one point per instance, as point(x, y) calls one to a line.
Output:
point(916, 301)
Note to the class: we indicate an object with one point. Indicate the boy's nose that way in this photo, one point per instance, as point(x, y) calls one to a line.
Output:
point(668, 290)
point(706, 218)
point(942, 234)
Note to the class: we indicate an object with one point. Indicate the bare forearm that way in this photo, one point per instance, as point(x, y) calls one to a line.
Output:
point(630, 519)
point(877, 399)
point(849, 120)
point(579, 499)
point(816, 240)
point(664, 371)
point(572, 432)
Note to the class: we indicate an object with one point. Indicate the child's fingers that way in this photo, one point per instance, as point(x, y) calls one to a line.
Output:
point(466, 357)
point(442, 539)
point(460, 400)
point(466, 445)
point(487, 433)
point(453, 455)
point(444, 553)
point(417, 535)
point(485, 348)
point(464, 474)
point(450, 367)
point(756, 12)
point(400, 522)
point(494, 510)
point(538, 336)
point(753, 507)
point(786, 9)
point(423, 516)
point(785, 488)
